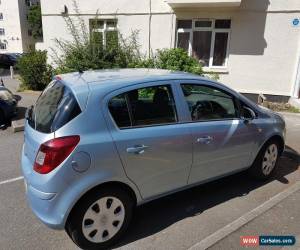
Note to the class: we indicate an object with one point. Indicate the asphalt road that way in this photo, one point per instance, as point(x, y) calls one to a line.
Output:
point(174, 222)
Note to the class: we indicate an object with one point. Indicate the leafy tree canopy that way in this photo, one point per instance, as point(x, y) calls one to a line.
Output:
point(35, 21)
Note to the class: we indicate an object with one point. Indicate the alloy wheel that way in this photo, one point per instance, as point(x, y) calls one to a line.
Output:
point(270, 158)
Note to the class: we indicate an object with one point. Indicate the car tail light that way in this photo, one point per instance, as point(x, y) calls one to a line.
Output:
point(54, 152)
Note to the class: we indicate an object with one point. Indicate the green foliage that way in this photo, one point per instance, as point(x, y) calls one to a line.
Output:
point(212, 75)
point(86, 50)
point(173, 59)
point(35, 21)
point(34, 71)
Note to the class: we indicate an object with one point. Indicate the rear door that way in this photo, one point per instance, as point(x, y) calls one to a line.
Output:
point(222, 141)
point(155, 149)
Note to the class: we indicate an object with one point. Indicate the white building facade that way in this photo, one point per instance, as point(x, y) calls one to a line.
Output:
point(15, 34)
point(254, 45)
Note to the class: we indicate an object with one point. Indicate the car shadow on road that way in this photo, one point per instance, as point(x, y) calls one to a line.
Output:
point(157, 215)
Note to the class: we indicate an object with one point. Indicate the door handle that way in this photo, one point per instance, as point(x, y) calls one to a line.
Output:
point(205, 139)
point(139, 149)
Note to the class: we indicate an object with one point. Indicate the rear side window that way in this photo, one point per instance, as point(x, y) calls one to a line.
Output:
point(144, 107)
point(54, 108)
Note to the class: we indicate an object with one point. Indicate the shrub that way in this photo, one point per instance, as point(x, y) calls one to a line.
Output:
point(87, 53)
point(173, 59)
point(34, 71)
point(85, 49)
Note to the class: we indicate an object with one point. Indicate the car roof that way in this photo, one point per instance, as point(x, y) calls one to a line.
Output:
point(116, 78)
point(112, 79)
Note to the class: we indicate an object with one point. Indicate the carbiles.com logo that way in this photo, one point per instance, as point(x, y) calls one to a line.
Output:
point(254, 241)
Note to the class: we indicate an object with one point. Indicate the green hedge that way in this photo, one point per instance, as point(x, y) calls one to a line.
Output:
point(34, 71)
point(172, 59)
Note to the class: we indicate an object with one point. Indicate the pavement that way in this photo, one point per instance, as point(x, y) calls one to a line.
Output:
point(181, 221)
point(282, 219)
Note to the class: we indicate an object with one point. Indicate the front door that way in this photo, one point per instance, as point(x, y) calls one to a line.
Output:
point(222, 142)
point(155, 150)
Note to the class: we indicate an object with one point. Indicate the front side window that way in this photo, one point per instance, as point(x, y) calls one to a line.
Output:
point(104, 32)
point(205, 39)
point(208, 103)
point(144, 107)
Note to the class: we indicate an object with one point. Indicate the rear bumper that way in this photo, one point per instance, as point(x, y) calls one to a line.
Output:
point(43, 204)
point(44, 208)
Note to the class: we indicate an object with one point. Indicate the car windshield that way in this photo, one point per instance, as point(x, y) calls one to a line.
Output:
point(5, 95)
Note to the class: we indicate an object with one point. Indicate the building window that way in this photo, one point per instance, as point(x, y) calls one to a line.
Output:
point(1, 16)
point(2, 32)
point(29, 32)
point(104, 31)
point(2, 46)
point(28, 3)
point(205, 39)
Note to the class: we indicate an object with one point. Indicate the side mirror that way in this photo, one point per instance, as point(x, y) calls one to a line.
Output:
point(248, 114)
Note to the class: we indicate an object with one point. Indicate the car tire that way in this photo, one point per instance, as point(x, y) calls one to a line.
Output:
point(266, 161)
point(2, 118)
point(100, 219)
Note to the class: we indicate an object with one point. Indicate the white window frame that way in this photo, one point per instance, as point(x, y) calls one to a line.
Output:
point(105, 29)
point(214, 31)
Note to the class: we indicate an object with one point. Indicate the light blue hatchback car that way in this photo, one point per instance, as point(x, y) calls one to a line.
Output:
point(99, 143)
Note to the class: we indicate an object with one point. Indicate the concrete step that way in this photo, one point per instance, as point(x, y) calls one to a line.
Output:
point(18, 125)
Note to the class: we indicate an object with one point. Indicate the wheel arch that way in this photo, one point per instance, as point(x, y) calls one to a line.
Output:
point(109, 184)
point(279, 139)
point(276, 137)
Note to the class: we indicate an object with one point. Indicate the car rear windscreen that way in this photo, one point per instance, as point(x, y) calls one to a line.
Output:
point(54, 108)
